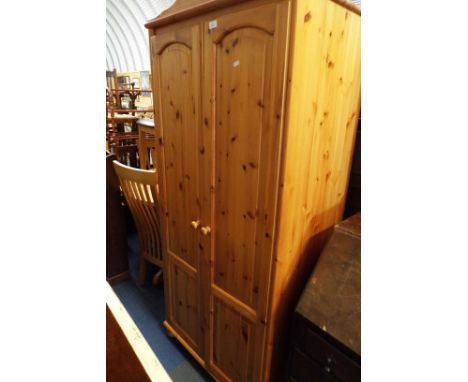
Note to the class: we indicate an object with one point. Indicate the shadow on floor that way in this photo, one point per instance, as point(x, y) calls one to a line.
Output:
point(146, 307)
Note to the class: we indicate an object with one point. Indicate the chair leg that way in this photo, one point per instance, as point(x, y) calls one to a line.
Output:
point(142, 271)
point(157, 277)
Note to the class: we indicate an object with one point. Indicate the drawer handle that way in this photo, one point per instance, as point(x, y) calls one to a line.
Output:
point(329, 364)
point(195, 224)
point(205, 230)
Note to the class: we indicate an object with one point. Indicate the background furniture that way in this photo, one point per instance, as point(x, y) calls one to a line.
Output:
point(142, 81)
point(127, 154)
point(139, 189)
point(326, 341)
point(120, 130)
point(112, 83)
point(256, 105)
point(116, 232)
point(146, 143)
point(125, 105)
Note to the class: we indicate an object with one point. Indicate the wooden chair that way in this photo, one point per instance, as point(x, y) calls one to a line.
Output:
point(139, 189)
point(146, 144)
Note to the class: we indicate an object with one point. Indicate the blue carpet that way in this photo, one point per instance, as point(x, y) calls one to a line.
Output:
point(146, 307)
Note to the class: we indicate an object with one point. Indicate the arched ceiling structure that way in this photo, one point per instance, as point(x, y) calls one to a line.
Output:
point(127, 48)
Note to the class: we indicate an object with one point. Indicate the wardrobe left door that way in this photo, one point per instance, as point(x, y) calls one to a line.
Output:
point(176, 87)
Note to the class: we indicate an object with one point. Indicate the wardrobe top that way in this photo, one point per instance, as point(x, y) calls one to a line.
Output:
point(184, 9)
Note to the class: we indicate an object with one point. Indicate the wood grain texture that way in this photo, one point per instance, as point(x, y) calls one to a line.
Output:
point(323, 105)
point(267, 131)
point(238, 150)
point(184, 9)
point(177, 76)
point(245, 83)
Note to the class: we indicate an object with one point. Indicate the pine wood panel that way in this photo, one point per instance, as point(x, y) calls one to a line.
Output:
point(183, 9)
point(271, 146)
point(323, 106)
point(177, 68)
point(238, 148)
point(232, 362)
point(185, 303)
point(180, 149)
point(246, 84)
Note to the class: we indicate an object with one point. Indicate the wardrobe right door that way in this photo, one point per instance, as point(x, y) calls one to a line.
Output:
point(245, 56)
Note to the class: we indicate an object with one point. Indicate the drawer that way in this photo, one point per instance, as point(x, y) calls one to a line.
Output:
point(303, 369)
point(325, 354)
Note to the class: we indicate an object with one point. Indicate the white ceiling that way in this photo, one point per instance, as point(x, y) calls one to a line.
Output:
point(127, 48)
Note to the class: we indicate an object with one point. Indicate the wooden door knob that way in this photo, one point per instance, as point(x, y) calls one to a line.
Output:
point(195, 224)
point(205, 230)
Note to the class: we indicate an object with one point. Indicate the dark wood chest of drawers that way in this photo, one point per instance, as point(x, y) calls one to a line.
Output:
point(326, 340)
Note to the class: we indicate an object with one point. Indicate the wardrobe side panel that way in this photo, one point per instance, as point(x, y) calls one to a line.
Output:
point(323, 103)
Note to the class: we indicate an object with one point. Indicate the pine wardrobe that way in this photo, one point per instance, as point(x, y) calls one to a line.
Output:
point(256, 104)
